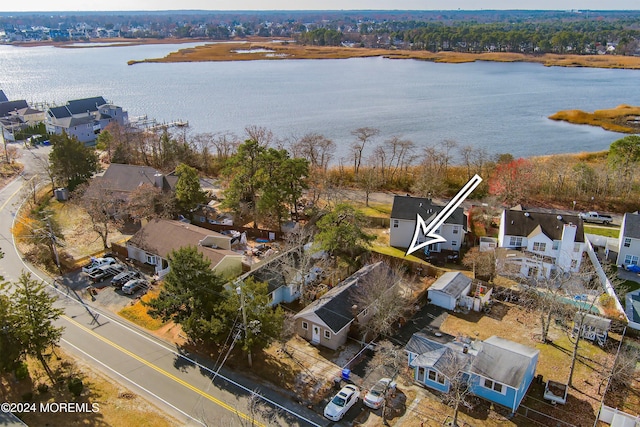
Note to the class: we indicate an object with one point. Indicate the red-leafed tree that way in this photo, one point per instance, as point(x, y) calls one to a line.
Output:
point(512, 181)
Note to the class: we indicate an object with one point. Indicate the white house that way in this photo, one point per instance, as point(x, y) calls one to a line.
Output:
point(629, 241)
point(84, 118)
point(539, 243)
point(403, 223)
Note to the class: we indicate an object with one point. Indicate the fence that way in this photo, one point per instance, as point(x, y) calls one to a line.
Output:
point(617, 418)
point(606, 284)
point(256, 233)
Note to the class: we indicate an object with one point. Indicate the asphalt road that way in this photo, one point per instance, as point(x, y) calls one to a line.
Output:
point(178, 383)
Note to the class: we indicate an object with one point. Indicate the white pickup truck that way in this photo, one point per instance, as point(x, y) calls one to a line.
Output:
point(596, 217)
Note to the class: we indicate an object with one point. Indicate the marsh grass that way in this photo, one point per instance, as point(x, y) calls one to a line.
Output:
point(622, 118)
point(225, 52)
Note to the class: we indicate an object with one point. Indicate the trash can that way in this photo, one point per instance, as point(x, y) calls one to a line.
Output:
point(346, 373)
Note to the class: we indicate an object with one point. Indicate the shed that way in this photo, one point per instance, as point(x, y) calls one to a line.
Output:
point(448, 289)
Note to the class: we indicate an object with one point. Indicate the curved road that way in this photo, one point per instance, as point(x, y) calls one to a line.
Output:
point(178, 383)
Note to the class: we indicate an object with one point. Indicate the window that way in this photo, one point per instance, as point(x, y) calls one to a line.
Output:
point(631, 260)
point(515, 241)
point(455, 230)
point(327, 334)
point(395, 223)
point(454, 243)
point(539, 246)
point(556, 245)
point(627, 242)
point(305, 325)
point(576, 247)
point(151, 259)
point(435, 376)
point(492, 385)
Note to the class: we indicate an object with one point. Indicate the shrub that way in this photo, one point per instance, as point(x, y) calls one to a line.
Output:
point(75, 386)
point(43, 388)
point(22, 371)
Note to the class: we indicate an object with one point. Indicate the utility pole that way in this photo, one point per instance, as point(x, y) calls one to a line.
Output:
point(245, 325)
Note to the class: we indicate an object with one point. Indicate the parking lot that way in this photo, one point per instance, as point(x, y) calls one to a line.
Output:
point(101, 292)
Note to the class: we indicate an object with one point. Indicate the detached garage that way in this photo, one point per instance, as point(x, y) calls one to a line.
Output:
point(448, 289)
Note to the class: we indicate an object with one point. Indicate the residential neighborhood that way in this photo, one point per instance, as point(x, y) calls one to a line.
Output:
point(155, 275)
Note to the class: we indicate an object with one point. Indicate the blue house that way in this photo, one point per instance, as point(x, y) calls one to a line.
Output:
point(498, 370)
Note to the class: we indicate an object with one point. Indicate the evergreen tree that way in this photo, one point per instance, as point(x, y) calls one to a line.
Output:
point(188, 190)
point(72, 162)
point(191, 296)
point(33, 315)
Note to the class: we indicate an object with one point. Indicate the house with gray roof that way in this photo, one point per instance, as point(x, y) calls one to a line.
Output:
point(403, 224)
point(535, 244)
point(327, 320)
point(84, 118)
point(122, 180)
point(11, 120)
point(153, 243)
point(448, 289)
point(3, 97)
point(629, 240)
point(497, 369)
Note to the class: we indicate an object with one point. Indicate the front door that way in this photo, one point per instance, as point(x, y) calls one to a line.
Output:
point(315, 337)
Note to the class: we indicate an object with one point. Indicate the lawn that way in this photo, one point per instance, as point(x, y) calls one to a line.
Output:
point(117, 406)
point(137, 313)
point(602, 231)
point(513, 322)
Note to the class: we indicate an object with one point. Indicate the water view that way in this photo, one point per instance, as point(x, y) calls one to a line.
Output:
point(501, 106)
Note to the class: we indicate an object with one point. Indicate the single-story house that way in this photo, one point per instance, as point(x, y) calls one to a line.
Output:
point(327, 320)
point(404, 218)
point(122, 180)
point(497, 369)
point(448, 289)
point(153, 243)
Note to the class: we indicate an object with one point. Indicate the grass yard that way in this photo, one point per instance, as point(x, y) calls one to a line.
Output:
point(602, 231)
point(137, 313)
point(117, 406)
point(512, 322)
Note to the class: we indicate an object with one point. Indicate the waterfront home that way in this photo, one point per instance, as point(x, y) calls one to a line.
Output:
point(629, 240)
point(84, 118)
point(535, 244)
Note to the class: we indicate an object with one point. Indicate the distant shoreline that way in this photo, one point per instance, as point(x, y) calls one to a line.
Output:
point(267, 49)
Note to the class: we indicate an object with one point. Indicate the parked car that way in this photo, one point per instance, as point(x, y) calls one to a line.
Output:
point(119, 280)
point(133, 286)
point(97, 262)
point(341, 402)
point(104, 272)
point(376, 395)
point(596, 217)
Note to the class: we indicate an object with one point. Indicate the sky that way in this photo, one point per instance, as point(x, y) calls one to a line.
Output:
point(84, 5)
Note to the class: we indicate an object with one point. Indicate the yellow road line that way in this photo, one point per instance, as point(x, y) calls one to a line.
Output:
point(14, 193)
point(165, 373)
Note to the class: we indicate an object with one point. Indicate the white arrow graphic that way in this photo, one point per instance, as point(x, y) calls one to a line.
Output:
point(441, 217)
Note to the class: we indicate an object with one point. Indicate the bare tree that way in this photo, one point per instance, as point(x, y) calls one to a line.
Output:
point(316, 148)
point(102, 206)
point(44, 166)
point(263, 136)
point(624, 370)
point(363, 135)
point(454, 365)
point(482, 264)
point(383, 294)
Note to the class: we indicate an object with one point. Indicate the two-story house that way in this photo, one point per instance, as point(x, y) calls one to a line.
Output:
point(84, 118)
point(403, 224)
point(629, 241)
point(535, 244)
